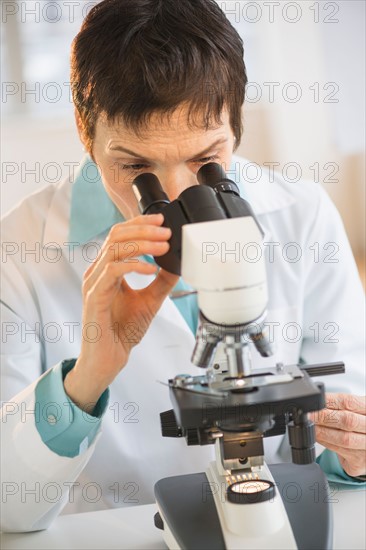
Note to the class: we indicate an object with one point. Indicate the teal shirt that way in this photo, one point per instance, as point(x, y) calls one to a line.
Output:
point(64, 428)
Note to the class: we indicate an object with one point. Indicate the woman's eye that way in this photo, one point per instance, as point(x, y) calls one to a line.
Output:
point(206, 159)
point(138, 167)
point(133, 167)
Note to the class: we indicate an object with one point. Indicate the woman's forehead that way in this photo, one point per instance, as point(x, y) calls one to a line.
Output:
point(177, 121)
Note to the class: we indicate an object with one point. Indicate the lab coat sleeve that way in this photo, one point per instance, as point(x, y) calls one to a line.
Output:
point(36, 482)
point(334, 315)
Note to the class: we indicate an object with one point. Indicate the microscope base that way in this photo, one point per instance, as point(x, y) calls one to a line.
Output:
point(189, 519)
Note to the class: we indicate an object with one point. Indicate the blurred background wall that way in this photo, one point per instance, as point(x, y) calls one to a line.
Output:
point(304, 114)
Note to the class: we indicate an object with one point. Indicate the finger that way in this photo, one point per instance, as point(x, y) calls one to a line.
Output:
point(102, 293)
point(139, 228)
point(345, 401)
point(127, 232)
point(145, 219)
point(346, 453)
point(353, 465)
point(124, 233)
point(341, 438)
point(126, 252)
point(352, 462)
point(340, 420)
point(130, 251)
point(148, 219)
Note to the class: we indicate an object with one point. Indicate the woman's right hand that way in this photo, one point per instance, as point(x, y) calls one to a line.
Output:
point(116, 317)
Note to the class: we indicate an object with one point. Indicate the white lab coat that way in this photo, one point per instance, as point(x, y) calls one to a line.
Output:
point(322, 301)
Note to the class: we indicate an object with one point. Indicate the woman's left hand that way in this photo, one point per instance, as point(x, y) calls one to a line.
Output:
point(341, 427)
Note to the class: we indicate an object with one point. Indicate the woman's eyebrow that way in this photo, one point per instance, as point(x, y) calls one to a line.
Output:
point(138, 156)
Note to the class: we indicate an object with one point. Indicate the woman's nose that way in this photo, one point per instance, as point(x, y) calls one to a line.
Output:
point(177, 183)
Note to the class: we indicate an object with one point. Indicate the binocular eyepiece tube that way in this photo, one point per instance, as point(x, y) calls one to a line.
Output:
point(152, 198)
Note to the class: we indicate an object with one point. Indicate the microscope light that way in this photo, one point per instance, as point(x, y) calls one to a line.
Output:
point(250, 491)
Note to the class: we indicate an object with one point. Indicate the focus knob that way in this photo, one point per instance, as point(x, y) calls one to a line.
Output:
point(169, 426)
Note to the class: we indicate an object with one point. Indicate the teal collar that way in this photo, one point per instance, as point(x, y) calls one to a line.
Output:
point(92, 211)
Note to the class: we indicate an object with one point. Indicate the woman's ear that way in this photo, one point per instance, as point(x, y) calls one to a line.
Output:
point(80, 129)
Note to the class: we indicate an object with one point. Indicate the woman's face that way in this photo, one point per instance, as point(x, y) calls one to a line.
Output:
point(170, 149)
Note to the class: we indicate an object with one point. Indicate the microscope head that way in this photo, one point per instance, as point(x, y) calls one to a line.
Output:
point(216, 245)
point(224, 261)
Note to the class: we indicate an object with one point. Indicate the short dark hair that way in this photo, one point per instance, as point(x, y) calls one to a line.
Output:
point(135, 58)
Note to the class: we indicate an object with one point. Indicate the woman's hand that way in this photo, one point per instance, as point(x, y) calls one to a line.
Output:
point(116, 317)
point(341, 427)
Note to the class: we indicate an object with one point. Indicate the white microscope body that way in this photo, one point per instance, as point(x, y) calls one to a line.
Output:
point(224, 261)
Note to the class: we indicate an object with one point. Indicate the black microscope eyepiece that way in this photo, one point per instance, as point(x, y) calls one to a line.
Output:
point(213, 175)
point(149, 193)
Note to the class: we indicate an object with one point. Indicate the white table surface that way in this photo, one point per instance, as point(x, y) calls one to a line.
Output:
point(133, 528)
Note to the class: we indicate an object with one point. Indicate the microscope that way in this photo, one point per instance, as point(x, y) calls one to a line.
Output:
point(240, 501)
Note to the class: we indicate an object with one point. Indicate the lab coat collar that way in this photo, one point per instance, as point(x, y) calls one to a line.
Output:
point(81, 211)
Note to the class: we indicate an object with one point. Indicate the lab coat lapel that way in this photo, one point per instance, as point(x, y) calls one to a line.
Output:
point(57, 223)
